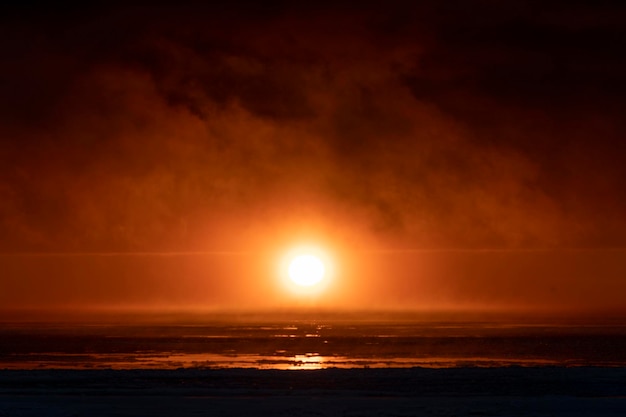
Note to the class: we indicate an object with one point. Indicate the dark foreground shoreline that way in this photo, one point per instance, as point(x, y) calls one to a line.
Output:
point(510, 391)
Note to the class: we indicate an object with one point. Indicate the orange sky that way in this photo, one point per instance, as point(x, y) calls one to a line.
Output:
point(578, 282)
point(483, 141)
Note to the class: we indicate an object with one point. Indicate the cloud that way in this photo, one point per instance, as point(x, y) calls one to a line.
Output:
point(403, 126)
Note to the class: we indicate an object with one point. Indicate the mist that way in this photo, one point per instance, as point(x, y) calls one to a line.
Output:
point(248, 129)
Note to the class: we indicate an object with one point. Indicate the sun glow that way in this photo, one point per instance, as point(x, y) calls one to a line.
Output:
point(306, 270)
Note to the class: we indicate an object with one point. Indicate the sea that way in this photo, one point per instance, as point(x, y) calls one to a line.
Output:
point(311, 343)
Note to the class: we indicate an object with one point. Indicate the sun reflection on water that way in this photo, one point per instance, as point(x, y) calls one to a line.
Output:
point(308, 361)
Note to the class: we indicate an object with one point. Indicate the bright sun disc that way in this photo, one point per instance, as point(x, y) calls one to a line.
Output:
point(306, 270)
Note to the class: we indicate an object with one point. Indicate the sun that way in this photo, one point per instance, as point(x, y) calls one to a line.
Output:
point(306, 270)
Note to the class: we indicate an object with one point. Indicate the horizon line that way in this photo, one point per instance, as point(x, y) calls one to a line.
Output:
point(243, 252)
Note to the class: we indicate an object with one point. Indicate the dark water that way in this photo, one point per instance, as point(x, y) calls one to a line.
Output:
point(306, 344)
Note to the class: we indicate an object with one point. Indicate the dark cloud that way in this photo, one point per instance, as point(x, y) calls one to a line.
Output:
point(465, 124)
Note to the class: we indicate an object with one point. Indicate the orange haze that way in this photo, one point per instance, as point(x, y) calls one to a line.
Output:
point(447, 155)
point(497, 281)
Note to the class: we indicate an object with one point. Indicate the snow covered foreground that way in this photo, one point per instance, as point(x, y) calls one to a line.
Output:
point(333, 392)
